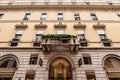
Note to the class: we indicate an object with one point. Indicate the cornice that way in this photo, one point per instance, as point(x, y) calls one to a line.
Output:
point(60, 7)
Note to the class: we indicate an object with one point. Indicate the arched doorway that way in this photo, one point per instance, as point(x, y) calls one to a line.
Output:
point(8, 65)
point(112, 66)
point(60, 69)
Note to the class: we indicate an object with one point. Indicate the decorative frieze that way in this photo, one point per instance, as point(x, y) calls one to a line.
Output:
point(57, 7)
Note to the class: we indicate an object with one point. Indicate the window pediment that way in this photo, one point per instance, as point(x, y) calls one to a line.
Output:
point(40, 25)
point(60, 25)
point(99, 25)
point(79, 25)
point(21, 25)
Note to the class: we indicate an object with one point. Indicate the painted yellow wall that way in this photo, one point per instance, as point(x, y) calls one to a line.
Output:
point(11, 18)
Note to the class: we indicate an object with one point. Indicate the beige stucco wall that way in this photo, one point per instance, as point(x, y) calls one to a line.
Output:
point(11, 18)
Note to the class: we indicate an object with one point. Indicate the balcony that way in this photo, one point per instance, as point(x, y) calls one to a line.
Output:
point(14, 42)
point(21, 25)
point(60, 25)
point(79, 25)
point(59, 42)
point(106, 40)
point(37, 42)
point(41, 25)
point(83, 42)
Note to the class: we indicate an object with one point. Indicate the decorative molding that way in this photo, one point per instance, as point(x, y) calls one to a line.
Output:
point(40, 25)
point(79, 25)
point(62, 7)
point(60, 25)
point(99, 25)
point(21, 25)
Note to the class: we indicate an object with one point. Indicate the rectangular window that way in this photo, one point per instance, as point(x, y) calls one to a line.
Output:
point(16, 38)
point(27, 16)
point(43, 16)
point(33, 59)
point(77, 16)
point(90, 75)
point(81, 38)
point(38, 38)
point(60, 32)
point(87, 59)
point(60, 16)
point(102, 34)
point(1, 15)
point(18, 34)
point(30, 74)
point(81, 34)
point(94, 17)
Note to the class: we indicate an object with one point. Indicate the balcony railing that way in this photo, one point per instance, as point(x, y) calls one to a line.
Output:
point(15, 40)
point(37, 42)
point(106, 40)
point(58, 42)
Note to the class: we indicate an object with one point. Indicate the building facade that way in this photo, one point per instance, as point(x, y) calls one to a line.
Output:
point(59, 40)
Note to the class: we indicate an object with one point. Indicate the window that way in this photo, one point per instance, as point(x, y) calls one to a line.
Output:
point(60, 31)
point(60, 16)
point(33, 59)
point(38, 38)
point(16, 38)
point(81, 37)
point(102, 34)
point(1, 15)
point(90, 75)
point(43, 16)
point(87, 59)
point(94, 17)
point(30, 75)
point(27, 16)
point(77, 17)
point(81, 34)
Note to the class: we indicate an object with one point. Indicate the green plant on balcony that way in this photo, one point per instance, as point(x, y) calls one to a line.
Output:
point(58, 36)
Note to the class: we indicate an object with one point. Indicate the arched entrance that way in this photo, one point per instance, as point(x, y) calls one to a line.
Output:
point(8, 65)
point(112, 66)
point(60, 69)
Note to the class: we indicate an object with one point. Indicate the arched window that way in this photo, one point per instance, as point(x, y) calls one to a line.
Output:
point(8, 65)
point(112, 67)
point(112, 62)
point(8, 62)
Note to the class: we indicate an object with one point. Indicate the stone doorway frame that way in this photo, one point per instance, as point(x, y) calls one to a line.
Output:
point(60, 56)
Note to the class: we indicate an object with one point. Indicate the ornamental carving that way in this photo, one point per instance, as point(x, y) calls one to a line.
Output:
point(40, 25)
point(99, 25)
point(79, 25)
point(60, 25)
point(21, 25)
